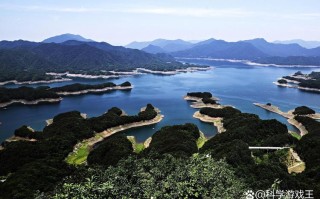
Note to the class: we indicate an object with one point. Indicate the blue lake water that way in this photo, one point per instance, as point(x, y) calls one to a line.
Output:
point(234, 84)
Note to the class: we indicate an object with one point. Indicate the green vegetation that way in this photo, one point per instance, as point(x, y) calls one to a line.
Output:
point(137, 147)
point(244, 130)
point(26, 93)
point(208, 101)
point(110, 151)
point(81, 87)
point(295, 135)
point(178, 140)
point(201, 140)
point(168, 177)
point(79, 157)
point(43, 162)
point(124, 84)
point(45, 92)
point(173, 166)
point(225, 112)
point(282, 81)
point(25, 132)
point(308, 148)
point(22, 62)
point(303, 110)
point(200, 94)
point(114, 118)
point(311, 80)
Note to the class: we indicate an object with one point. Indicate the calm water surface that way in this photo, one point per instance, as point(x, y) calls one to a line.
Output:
point(234, 84)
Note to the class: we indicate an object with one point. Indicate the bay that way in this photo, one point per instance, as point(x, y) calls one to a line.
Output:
point(235, 84)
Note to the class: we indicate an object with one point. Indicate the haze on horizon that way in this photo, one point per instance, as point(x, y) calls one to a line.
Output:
point(121, 22)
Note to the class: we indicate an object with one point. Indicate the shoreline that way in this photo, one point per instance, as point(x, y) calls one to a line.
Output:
point(289, 116)
point(115, 74)
point(56, 100)
point(50, 121)
point(35, 82)
point(298, 87)
point(217, 121)
point(250, 63)
point(196, 102)
point(33, 102)
point(95, 90)
point(15, 139)
point(98, 137)
point(137, 71)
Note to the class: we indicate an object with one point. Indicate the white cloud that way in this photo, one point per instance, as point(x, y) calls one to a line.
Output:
point(193, 12)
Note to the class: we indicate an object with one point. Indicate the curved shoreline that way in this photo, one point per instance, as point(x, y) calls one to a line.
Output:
point(289, 116)
point(96, 90)
point(98, 137)
point(56, 100)
point(217, 121)
point(250, 63)
point(26, 102)
point(137, 71)
point(197, 102)
point(298, 87)
point(35, 82)
point(115, 74)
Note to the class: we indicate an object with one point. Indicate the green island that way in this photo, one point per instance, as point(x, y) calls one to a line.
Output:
point(202, 99)
point(45, 94)
point(307, 82)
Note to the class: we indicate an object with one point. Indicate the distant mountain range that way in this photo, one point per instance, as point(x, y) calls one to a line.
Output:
point(258, 50)
point(166, 45)
point(303, 43)
point(66, 37)
point(25, 60)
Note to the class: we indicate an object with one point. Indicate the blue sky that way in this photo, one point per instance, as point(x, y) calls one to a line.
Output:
point(122, 21)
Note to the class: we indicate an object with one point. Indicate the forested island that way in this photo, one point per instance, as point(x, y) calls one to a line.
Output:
point(45, 94)
point(307, 82)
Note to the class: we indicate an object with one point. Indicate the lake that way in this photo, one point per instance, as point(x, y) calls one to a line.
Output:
point(235, 84)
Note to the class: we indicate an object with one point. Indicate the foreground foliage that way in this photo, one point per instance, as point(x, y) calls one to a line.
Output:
point(197, 177)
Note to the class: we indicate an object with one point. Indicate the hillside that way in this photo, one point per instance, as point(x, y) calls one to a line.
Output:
point(166, 45)
point(153, 49)
point(25, 61)
point(65, 37)
point(222, 49)
point(303, 43)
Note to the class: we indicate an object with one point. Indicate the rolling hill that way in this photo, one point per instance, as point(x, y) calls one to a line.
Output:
point(23, 60)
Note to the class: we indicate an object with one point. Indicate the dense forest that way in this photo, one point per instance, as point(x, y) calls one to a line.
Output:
point(29, 61)
point(45, 92)
point(40, 165)
point(26, 93)
point(173, 166)
point(243, 130)
point(200, 94)
point(303, 110)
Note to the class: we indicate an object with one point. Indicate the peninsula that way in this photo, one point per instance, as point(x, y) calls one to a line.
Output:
point(45, 94)
point(204, 101)
point(307, 82)
point(147, 116)
point(292, 115)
